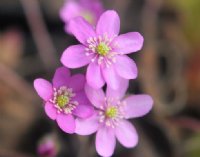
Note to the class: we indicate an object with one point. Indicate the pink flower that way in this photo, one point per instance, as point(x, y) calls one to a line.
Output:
point(64, 98)
point(103, 50)
point(110, 119)
point(88, 9)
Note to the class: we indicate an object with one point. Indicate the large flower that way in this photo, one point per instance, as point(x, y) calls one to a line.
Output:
point(103, 50)
point(110, 119)
point(64, 98)
point(90, 10)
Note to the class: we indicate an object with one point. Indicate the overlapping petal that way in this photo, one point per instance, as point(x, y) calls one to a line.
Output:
point(66, 123)
point(61, 77)
point(94, 76)
point(111, 77)
point(77, 82)
point(87, 126)
point(96, 96)
point(120, 92)
point(81, 29)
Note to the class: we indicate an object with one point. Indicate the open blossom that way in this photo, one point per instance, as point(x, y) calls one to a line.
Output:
point(110, 119)
point(103, 50)
point(64, 98)
point(90, 10)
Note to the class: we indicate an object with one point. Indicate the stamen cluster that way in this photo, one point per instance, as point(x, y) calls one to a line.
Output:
point(62, 100)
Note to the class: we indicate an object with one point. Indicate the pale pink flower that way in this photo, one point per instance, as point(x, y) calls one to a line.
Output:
point(64, 98)
point(110, 119)
point(90, 10)
point(103, 50)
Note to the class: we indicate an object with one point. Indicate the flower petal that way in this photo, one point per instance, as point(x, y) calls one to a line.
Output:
point(111, 77)
point(83, 111)
point(96, 96)
point(105, 141)
point(85, 108)
point(77, 82)
point(120, 92)
point(137, 105)
point(75, 57)
point(87, 126)
point(125, 67)
point(129, 42)
point(94, 76)
point(126, 134)
point(69, 10)
point(81, 29)
point(50, 110)
point(43, 88)
point(61, 77)
point(108, 23)
point(66, 122)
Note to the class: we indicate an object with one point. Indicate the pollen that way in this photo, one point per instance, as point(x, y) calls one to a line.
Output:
point(102, 49)
point(62, 100)
point(111, 112)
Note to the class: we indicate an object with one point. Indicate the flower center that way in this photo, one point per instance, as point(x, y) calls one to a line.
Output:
point(102, 49)
point(111, 112)
point(62, 100)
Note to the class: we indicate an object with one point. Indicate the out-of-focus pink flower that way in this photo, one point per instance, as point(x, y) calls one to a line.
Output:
point(64, 98)
point(47, 147)
point(103, 50)
point(110, 119)
point(90, 10)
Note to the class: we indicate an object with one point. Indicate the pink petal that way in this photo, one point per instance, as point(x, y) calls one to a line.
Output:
point(50, 110)
point(138, 105)
point(81, 29)
point(129, 42)
point(75, 57)
point(111, 77)
point(109, 23)
point(43, 88)
point(120, 92)
point(85, 108)
point(77, 82)
point(61, 77)
point(105, 141)
point(83, 111)
point(69, 10)
point(96, 96)
point(87, 126)
point(94, 76)
point(66, 122)
point(126, 134)
point(125, 67)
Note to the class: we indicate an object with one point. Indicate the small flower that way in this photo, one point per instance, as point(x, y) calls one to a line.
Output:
point(64, 98)
point(110, 119)
point(90, 10)
point(103, 50)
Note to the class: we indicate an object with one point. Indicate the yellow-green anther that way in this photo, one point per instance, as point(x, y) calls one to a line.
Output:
point(102, 49)
point(111, 112)
point(62, 100)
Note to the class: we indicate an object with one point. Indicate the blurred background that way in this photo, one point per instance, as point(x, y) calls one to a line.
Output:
point(32, 39)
